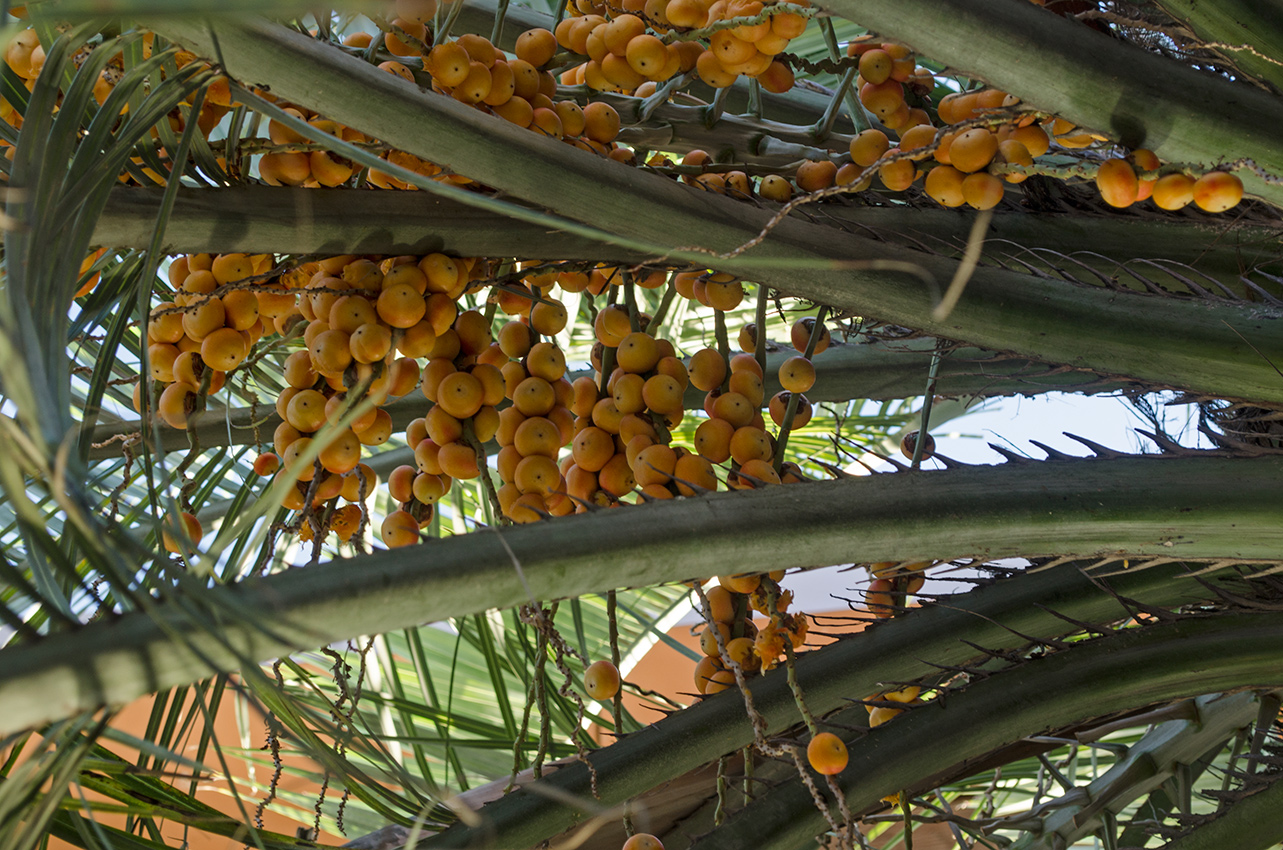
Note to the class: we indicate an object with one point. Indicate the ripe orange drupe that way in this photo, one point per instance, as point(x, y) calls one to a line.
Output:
point(827, 753)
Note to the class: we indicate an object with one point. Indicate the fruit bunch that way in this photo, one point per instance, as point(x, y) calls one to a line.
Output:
point(366, 326)
point(972, 163)
point(734, 429)
point(728, 615)
point(537, 424)
point(646, 392)
point(797, 374)
point(359, 316)
point(886, 69)
point(465, 388)
point(636, 47)
point(730, 618)
point(310, 169)
point(962, 158)
point(368, 323)
point(1121, 186)
point(474, 71)
point(206, 331)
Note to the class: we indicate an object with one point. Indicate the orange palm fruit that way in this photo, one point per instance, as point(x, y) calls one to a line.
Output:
point(1116, 181)
point(827, 754)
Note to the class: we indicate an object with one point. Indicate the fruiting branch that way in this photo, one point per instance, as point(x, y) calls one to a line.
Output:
point(1119, 673)
point(830, 675)
point(1160, 341)
point(1064, 67)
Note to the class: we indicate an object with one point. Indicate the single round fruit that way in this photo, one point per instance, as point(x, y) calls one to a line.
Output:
point(707, 369)
point(400, 528)
point(973, 150)
point(1217, 191)
point(868, 147)
point(536, 46)
point(1116, 180)
point(827, 754)
point(1173, 191)
point(944, 185)
point(601, 680)
point(910, 442)
point(800, 335)
point(191, 525)
point(899, 175)
point(266, 464)
point(775, 188)
point(643, 841)
point(813, 176)
point(875, 66)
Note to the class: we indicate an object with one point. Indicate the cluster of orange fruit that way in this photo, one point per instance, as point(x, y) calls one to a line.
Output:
point(797, 373)
point(206, 331)
point(310, 169)
point(959, 175)
point(1120, 186)
point(731, 604)
point(194, 340)
point(368, 326)
point(886, 70)
point(469, 68)
point(473, 71)
point(967, 165)
point(622, 437)
point(963, 159)
point(368, 322)
point(539, 421)
point(25, 56)
point(634, 47)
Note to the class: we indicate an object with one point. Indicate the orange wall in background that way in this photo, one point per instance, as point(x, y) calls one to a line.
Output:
point(214, 792)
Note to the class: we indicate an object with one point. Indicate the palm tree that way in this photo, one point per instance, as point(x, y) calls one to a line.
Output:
point(1099, 664)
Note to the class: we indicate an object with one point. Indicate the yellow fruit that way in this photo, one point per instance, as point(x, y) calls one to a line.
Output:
point(899, 175)
point(536, 46)
point(973, 150)
point(266, 464)
point(224, 349)
point(982, 191)
point(1173, 191)
point(1117, 183)
point(775, 188)
point(601, 680)
point(944, 185)
point(1217, 191)
point(399, 529)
